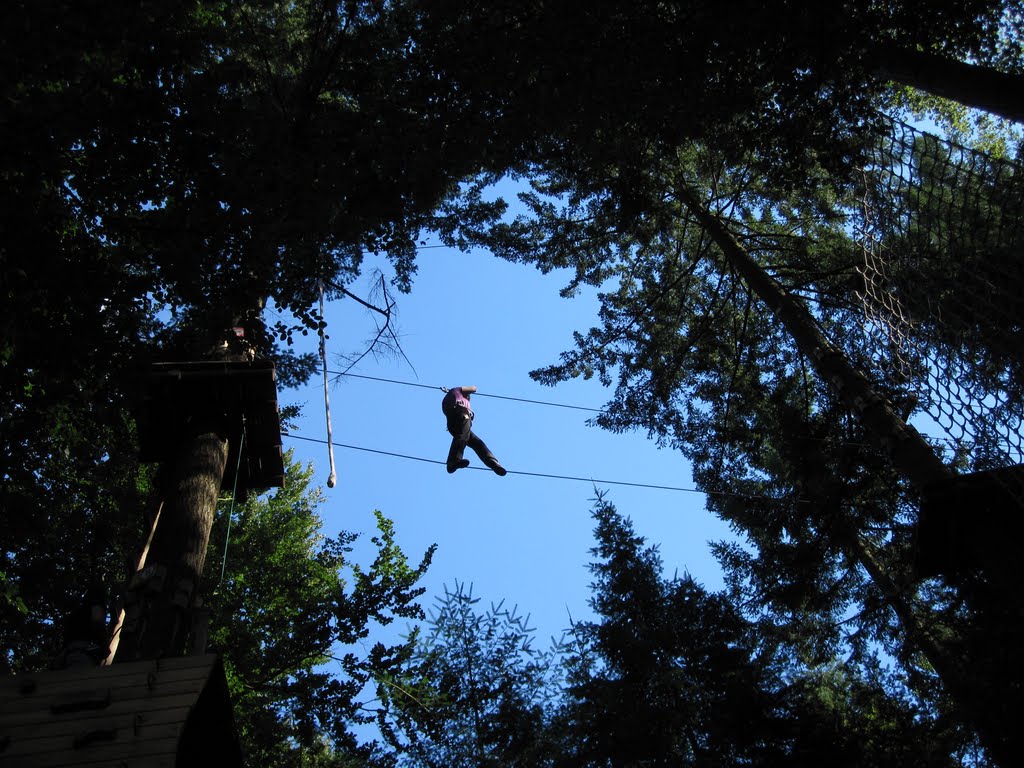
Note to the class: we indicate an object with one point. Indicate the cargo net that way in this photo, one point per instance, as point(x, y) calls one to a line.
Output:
point(941, 228)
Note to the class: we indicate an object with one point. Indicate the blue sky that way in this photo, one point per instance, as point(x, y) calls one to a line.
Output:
point(476, 319)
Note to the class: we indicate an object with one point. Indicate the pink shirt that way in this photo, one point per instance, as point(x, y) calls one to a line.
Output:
point(455, 398)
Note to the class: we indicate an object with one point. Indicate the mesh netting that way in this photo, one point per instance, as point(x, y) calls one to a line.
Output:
point(941, 231)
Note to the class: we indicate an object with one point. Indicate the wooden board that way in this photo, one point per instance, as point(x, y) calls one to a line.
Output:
point(238, 394)
point(135, 714)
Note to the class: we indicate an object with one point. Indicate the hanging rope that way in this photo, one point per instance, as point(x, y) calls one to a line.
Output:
point(333, 478)
point(231, 509)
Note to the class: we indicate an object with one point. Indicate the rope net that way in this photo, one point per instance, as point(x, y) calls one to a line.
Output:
point(941, 233)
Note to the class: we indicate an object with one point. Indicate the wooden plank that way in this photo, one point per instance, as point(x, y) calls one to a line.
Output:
point(134, 714)
point(137, 698)
point(142, 692)
point(149, 761)
point(97, 737)
point(126, 718)
point(204, 661)
point(149, 753)
point(19, 689)
point(63, 704)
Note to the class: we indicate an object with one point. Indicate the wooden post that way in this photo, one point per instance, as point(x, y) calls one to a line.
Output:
point(140, 563)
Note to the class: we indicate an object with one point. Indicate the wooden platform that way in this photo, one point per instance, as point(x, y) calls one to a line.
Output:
point(232, 394)
point(152, 714)
point(966, 524)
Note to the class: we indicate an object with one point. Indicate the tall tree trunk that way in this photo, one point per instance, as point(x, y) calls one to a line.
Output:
point(907, 449)
point(162, 593)
point(968, 84)
point(911, 454)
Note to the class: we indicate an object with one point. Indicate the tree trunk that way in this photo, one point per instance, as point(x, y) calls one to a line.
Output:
point(968, 84)
point(162, 593)
point(907, 449)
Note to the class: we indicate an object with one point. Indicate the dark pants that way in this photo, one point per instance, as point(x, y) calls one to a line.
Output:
point(460, 423)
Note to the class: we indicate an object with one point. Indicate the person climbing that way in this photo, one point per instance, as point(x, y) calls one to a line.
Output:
point(459, 414)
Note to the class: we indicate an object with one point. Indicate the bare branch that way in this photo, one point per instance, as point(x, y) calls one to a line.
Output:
point(386, 338)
